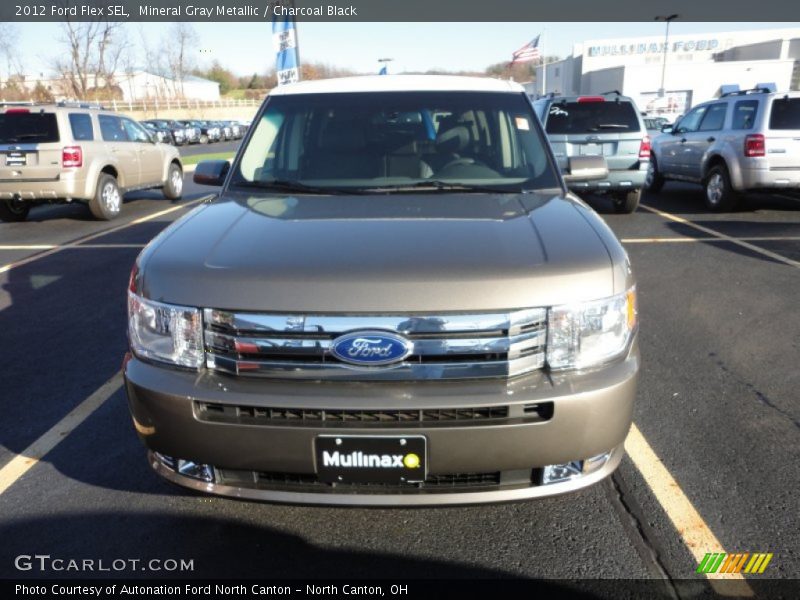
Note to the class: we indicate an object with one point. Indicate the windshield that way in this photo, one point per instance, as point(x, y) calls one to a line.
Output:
point(592, 117)
point(397, 140)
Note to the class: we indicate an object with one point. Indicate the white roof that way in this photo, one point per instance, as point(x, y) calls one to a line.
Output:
point(399, 83)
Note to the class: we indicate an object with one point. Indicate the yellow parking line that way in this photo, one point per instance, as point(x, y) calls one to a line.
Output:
point(27, 459)
point(695, 532)
point(722, 236)
point(94, 236)
point(683, 240)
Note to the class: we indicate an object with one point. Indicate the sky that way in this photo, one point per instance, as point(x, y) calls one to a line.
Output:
point(246, 48)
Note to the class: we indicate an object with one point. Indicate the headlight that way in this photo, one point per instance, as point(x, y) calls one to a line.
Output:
point(166, 333)
point(590, 333)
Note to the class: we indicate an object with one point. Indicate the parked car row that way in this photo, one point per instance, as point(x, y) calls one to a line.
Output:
point(180, 132)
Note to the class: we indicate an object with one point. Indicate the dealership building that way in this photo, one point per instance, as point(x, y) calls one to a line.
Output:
point(699, 67)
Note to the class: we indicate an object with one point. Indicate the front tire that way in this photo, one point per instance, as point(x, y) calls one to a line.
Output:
point(720, 195)
point(14, 211)
point(627, 202)
point(173, 188)
point(107, 201)
point(204, 139)
point(653, 181)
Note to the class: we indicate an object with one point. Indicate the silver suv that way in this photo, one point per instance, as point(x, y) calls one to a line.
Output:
point(607, 125)
point(61, 153)
point(744, 141)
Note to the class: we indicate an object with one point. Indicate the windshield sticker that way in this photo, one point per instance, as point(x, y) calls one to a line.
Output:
point(522, 123)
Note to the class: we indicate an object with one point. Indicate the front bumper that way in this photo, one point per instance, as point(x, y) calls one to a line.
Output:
point(589, 415)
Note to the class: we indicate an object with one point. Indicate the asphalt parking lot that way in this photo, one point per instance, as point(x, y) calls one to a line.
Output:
point(716, 422)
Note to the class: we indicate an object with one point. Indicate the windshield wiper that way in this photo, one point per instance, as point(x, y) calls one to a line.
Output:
point(610, 126)
point(286, 185)
point(444, 186)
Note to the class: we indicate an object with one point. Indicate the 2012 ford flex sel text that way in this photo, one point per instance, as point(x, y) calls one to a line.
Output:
point(393, 300)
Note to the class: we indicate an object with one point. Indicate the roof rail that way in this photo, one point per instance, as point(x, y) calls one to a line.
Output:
point(761, 90)
point(92, 105)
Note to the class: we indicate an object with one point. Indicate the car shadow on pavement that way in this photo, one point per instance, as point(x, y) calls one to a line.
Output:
point(79, 211)
point(688, 200)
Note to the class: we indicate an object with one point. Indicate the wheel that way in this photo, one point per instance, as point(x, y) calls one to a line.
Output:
point(627, 202)
point(174, 185)
point(107, 201)
point(653, 181)
point(14, 211)
point(720, 195)
point(203, 138)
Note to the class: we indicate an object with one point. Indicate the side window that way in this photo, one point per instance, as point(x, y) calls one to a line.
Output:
point(691, 121)
point(714, 118)
point(111, 129)
point(81, 125)
point(744, 114)
point(136, 133)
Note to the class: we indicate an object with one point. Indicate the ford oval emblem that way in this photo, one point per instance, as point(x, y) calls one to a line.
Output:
point(370, 348)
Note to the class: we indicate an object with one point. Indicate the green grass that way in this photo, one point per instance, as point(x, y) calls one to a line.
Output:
point(196, 158)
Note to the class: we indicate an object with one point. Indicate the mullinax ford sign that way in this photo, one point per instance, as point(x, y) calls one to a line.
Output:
point(654, 47)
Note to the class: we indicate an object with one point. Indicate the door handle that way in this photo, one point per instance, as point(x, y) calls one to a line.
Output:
point(711, 139)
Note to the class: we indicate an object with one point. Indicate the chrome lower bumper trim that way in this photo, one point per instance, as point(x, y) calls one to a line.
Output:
point(407, 499)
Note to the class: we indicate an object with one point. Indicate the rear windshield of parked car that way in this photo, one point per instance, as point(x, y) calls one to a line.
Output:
point(785, 113)
point(592, 117)
point(28, 128)
point(394, 138)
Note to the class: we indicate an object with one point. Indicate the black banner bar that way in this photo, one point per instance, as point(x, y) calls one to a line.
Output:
point(398, 10)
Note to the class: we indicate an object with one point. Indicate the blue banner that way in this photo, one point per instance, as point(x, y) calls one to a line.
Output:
point(284, 38)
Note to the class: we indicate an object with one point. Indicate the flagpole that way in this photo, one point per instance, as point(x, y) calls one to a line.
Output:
point(544, 63)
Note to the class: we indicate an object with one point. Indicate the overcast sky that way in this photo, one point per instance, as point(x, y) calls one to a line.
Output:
point(247, 47)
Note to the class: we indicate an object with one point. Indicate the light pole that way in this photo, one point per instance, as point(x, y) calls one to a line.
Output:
point(667, 19)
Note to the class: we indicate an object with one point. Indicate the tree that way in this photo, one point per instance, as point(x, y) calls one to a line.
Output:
point(93, 53)
point(9, 53)
point(179, 48)
point(225, 77)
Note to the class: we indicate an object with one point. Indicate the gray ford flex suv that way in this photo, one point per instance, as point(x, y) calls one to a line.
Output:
point(393, 299)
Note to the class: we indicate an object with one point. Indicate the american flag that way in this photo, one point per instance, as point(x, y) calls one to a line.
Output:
point(527, 53)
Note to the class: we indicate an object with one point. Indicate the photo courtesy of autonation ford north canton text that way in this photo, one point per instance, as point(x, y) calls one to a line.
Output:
point(389, 299)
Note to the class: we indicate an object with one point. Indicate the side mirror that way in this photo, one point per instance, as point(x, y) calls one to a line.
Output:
point(211, 172)
point(586, 168)
point(666, 129)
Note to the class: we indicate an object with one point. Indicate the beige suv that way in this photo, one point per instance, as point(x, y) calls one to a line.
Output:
point(61, 153)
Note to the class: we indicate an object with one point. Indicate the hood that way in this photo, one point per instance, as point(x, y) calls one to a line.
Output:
point(379, 253)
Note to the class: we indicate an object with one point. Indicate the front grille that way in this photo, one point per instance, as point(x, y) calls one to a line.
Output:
point(447, 346)
point(308, 482)
point(274, 416)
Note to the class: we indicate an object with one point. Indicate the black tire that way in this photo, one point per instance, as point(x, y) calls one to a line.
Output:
point(107, 201)
point(719, 193)
point(173, 187)
point(653, 181)
point(14, 211)
point(203, 138)
point(626, 202)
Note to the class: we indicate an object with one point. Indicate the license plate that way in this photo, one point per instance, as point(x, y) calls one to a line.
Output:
point(591, 150)
point(15, 159)
point(371, 459)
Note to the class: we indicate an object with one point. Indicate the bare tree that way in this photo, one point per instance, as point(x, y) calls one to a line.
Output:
point(94, 50)
point(180, 47)
point(9, 51)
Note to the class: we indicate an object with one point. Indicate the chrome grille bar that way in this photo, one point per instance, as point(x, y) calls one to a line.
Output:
point(448, 346)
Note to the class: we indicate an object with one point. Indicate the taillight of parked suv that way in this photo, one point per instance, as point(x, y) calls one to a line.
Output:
point(754, 145)
point(644, 147)
point(72, 156)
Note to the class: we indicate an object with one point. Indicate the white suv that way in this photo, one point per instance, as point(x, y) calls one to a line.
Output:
point(744, 141)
